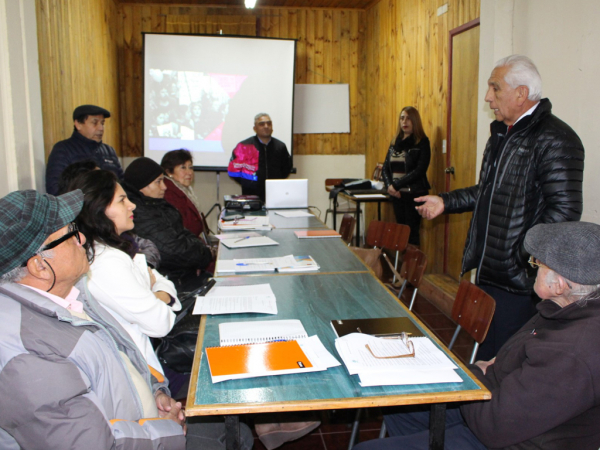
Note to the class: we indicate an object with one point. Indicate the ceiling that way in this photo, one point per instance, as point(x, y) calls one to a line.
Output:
point(351, 4)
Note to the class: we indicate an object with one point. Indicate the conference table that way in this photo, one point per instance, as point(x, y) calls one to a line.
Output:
point(343, 288)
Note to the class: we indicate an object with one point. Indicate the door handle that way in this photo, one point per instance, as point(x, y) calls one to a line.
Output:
point(450, 170)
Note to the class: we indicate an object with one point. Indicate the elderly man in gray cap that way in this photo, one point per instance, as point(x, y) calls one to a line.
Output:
point(70, 376)
point(84, 144)
point(545, 381)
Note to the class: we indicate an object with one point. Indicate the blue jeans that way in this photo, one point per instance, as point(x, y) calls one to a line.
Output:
point(409, 430)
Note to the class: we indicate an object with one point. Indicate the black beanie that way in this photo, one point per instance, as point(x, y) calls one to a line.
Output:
point(141, 172)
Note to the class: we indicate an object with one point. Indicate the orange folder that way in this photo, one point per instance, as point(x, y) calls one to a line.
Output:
point(308, 234)
point(255, 360)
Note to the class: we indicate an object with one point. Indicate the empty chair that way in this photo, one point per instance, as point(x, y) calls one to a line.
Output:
point(347, 228)
point(473, 310)
point(411, 272)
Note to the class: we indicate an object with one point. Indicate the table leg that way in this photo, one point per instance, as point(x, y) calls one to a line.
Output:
point(437, 426)
point(358, 223)
point(232, 432)
point(334, 214)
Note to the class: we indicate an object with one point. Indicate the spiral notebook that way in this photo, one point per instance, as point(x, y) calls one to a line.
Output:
point(258, 332)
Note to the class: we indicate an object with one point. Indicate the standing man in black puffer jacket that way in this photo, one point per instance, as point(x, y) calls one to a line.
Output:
point(532, 172)
point(184, 257)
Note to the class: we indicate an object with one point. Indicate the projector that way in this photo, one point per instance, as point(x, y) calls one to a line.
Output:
point(242, 203)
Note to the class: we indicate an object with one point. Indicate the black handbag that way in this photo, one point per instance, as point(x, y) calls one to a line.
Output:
point(176, 350)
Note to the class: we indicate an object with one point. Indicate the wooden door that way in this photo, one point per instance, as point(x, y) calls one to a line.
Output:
point(461, 154)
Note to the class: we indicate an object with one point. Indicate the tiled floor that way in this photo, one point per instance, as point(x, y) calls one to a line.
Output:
point(336, 426)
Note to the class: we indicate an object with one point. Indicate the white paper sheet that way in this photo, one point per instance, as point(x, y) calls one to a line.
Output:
point(261, 241)
point(237, 235)
point(369, 196)
point(237, 299)
point(293, 213)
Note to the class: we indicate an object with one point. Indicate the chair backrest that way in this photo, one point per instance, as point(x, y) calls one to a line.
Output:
point(333, 181)
point(395, 236)
point(413, 266)
point(473, 310)
point(347, 228)
point(374, 236)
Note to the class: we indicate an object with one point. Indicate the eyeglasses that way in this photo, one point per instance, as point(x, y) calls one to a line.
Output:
point(535, 263)
point(73, 231)
point(262, 124)
point(405, 340)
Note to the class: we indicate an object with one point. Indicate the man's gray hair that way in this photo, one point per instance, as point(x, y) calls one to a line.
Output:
point(259, 115)
point(522, 72)
point(18, 273)
point(577, 293)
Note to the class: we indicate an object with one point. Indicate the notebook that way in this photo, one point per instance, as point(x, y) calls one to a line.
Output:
point(376, 327)
point(316, 234)
point(260, 331)
point(286, 193)
point(257, 360)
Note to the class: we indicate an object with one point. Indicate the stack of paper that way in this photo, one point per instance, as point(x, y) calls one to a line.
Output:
point(247, 223)
point(289, 263)
point(258, 298)
point(244, 234)
point(429, 365)
point(316, 234)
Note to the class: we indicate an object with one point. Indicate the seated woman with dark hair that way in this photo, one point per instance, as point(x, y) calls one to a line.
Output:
point(138, 297)
point(179, 168)
point(185, 258)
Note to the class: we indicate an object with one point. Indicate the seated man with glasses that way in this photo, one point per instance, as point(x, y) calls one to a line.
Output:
point(545, 381)
point(259, 158)
point(70, 376)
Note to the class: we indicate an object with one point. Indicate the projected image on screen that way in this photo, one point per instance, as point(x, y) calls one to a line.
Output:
point(189, 109)
point(201, 93)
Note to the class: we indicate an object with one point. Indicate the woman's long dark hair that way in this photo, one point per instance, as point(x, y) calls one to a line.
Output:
point(98, 187)
point(414, 116)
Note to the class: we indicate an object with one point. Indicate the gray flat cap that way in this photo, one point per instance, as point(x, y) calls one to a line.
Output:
point(571, 249)
point(90, 110)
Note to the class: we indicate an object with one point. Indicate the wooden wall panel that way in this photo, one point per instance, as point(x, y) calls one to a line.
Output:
point(329, 50)
point(78, 60)
point(406, 47)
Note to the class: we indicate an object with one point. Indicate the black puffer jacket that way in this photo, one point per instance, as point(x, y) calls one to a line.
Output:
point(417, 163)
point(181, 252)
point(538, 179)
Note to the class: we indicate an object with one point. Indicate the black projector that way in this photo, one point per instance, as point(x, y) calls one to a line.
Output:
point(242, 202)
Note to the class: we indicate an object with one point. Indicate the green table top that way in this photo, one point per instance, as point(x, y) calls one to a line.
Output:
point(315, 300)
point(331, 254)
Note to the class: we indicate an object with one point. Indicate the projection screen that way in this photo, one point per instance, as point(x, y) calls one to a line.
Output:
point(202, 92)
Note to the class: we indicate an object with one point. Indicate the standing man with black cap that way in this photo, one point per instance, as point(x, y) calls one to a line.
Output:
point(84, 143)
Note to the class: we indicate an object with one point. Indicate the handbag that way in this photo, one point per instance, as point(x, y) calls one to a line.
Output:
point(176, 350)
point(371, 257)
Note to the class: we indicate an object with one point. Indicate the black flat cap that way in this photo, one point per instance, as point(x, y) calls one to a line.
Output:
point(571, 249)
point(90, 110)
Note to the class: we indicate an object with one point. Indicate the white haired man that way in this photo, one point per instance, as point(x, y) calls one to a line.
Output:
point(532, 172)
point(545, 382)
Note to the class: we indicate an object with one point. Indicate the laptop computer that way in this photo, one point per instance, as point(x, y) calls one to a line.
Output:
point(281, 194)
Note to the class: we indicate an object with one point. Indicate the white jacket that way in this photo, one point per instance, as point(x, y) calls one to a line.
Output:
point(122, 286)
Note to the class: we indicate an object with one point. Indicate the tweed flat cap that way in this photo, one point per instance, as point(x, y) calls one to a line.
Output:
point(571, 249)
point(142, 171)
point(90, 110)
point(27, 218)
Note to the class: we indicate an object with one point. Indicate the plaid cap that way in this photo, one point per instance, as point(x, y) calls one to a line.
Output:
point(27, 218)
point(571, 249)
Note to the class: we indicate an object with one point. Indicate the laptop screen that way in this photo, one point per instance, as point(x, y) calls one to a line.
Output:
point(286, 193)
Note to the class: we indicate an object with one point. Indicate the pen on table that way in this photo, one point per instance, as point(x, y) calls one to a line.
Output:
point(240, 240)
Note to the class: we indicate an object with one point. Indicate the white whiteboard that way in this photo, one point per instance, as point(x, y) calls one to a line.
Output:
point(321, 108)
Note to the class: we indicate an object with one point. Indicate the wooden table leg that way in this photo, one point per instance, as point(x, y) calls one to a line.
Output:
point(232, 432)
point(437, 426)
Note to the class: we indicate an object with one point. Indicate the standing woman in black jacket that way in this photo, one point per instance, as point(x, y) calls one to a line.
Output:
point(405, 170)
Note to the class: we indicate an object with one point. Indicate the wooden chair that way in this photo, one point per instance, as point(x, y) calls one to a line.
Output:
point(411, 272)
point(347, 228)
point(473, 311)
point(330, 182)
